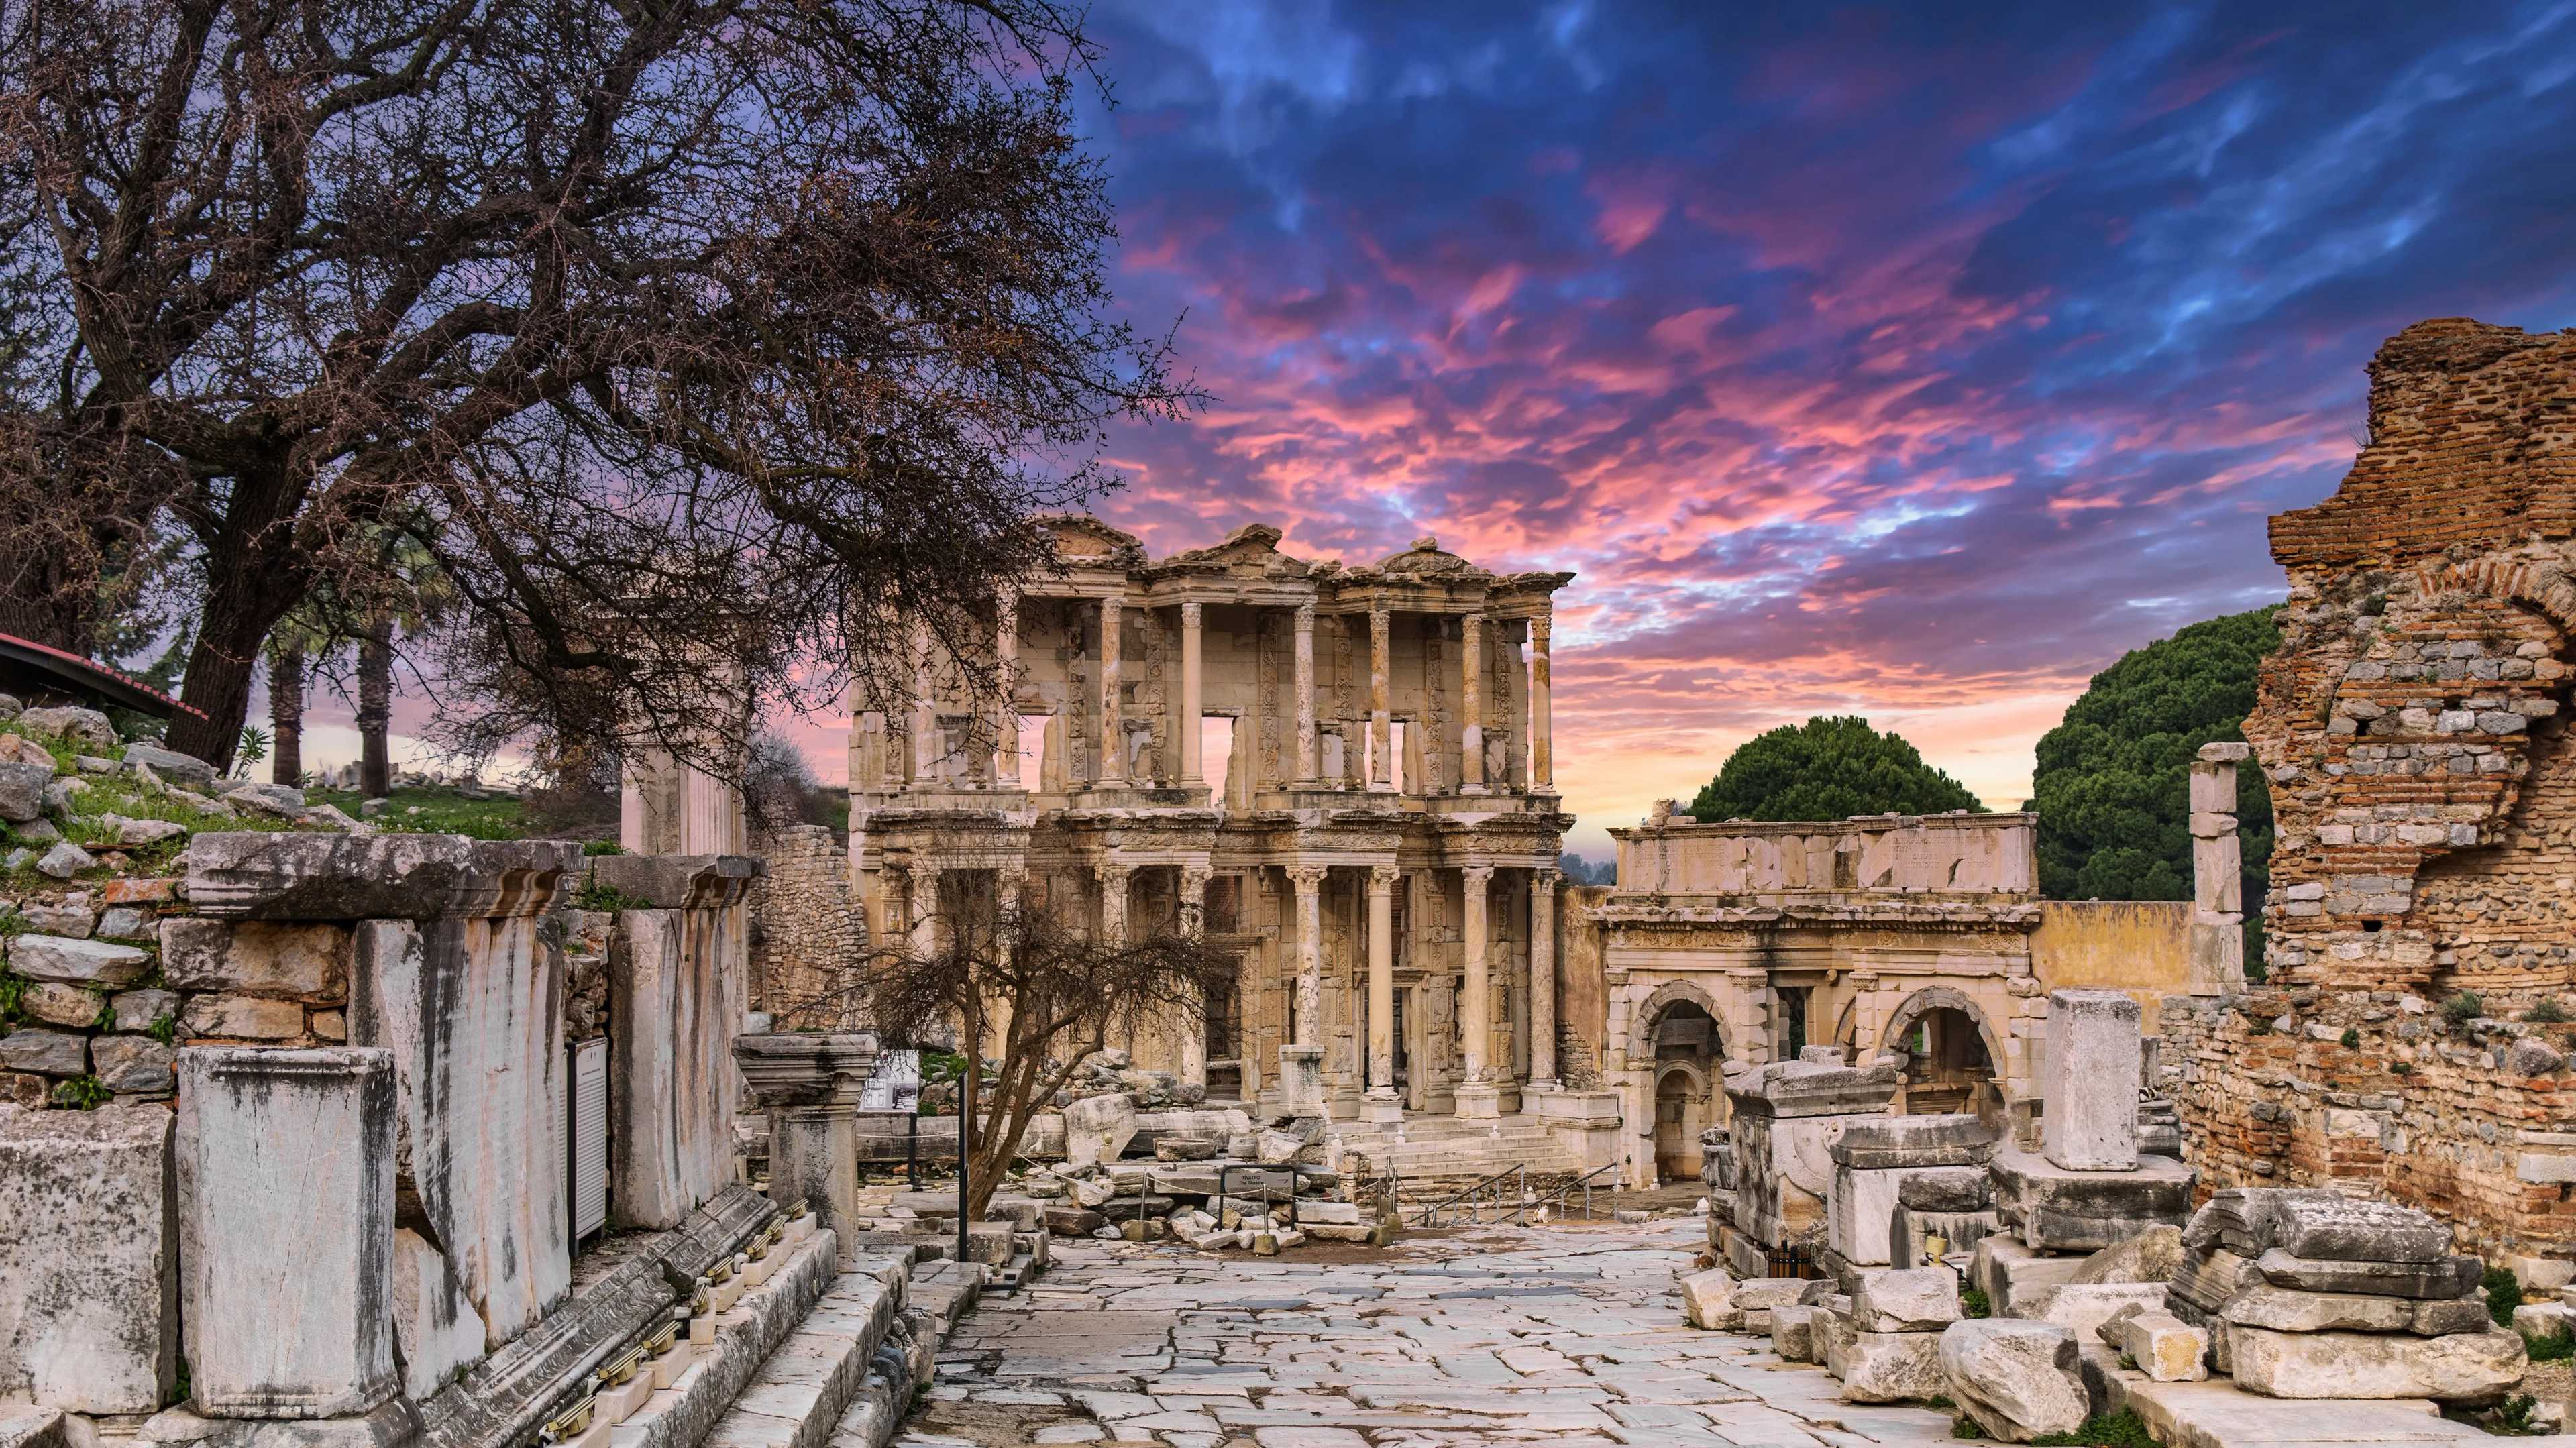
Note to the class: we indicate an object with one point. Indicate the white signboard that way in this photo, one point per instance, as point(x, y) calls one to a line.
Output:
point(896, 1084)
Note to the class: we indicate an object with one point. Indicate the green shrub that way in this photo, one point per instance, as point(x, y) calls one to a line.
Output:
point(596, 896)
point(2351, 1039)
point(85, 1093)
point(1973, 1303)
point(602, 847)
point(2402, 1068)
point(2548, 1013)
point(2504, 1294)
point(2552, 1347)
point(164, 1028)
point(1966, 1429)
point(2463, 1008)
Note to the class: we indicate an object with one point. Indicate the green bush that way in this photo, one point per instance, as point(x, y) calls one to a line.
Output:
point(1827, 769)
point(2351, 1039)
point(2504, 1294)
point(2548, 1013)
point(1974, 1303)
point(2551, 1347)
point(2463, 1008)
point(602, 847)
point(595, 896)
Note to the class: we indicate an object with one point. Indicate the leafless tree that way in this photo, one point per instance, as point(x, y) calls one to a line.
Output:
point(673, 333)
point(1046, 995)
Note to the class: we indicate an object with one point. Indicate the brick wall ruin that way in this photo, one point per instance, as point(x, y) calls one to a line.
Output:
point(2424, 881)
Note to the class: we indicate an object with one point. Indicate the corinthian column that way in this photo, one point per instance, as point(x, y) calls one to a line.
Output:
point(1542, 753)
point(1303, 771)
point(1006, 714)
point(1381, 706)
point(1381, 1103)
point(1471, 701)
point(1191, 1026)
point(1542, 948)
point(1113, 744)
point(1479, 1097)
point(1193, 769)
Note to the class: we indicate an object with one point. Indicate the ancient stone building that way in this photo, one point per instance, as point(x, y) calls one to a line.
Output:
point(805, 942)
point(1729, 945)
point(1342, 771)
point(2423, 885)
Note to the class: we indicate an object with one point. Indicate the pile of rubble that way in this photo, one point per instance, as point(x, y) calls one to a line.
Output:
point(2310, 1294)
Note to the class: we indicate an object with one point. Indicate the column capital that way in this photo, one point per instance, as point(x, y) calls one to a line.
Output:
point(1378, 619)
point(1307, 878)
point(1540, 625)
point(1546, 876)
point(1306, 617)
point(1192, 611)
point(1476, 875)
point(1194, 879)
point(1111, 872)
point(1382, 878)
point(1473, 620)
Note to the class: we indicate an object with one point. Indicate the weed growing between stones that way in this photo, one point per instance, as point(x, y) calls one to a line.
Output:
point(2509, 1419)
point(2123, 1429)
point(2551, 1347)
point(2463, 1008)
point(1975, 1303)
point(596, 896)
point(2504, 1294)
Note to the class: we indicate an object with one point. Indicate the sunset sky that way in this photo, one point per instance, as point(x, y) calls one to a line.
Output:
point(1911, 361)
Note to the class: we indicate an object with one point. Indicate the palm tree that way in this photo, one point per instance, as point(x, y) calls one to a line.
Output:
point(419, 592)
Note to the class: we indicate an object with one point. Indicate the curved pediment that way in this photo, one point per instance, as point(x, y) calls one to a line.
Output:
point(1086, 542)
point(1251, 551)
point(1426, 558)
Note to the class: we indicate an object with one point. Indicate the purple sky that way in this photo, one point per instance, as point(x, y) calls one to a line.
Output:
point(1911, 360)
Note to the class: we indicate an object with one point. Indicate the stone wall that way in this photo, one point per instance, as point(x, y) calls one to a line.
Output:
point(2139, 946)
point(2423, 884)
point(805, 935)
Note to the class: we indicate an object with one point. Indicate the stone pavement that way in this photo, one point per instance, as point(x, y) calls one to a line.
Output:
point(1568, 1335)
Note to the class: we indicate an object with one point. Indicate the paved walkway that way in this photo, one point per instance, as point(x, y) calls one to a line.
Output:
point(1568, 1336)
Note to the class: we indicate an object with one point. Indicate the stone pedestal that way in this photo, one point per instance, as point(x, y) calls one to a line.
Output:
point(2091, 1122)
point(286, 1208)
point(1479, 1103)
point(810, 1085)
point(89, 1296)
point(1786, 1118)
point(676, 993)
point(1382, 1108)
point(1873, 1159)
point(1301, 1080)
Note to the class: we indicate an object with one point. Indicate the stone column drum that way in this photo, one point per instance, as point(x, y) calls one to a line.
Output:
point(2217, 960)
point(2091, 1122)
point(286, 1210)
point(810, 1083)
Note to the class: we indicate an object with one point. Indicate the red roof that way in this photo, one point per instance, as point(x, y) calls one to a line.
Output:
point(94, 677)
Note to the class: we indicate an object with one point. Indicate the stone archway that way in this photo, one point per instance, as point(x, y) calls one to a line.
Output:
point(1953, 1057)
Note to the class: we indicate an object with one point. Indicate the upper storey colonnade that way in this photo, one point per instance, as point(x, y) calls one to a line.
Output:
point(1241, 676)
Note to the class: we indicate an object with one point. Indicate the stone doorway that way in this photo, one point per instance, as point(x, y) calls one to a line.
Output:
point(1687, 1050)
point(1947, 1065)
point(1678, 1113)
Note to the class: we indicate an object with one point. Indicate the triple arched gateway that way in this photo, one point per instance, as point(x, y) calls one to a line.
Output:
point(1725, 947)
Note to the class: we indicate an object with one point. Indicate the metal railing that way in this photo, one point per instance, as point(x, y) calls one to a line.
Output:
point(1507, 1194)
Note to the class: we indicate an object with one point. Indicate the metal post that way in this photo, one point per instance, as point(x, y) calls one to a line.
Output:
point(961, 1182)
point(912, 1154)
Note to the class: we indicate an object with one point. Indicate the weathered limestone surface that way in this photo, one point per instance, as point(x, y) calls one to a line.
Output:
point(286, 1209)
point(2061, 1210)
point(2458, 1367)
point(2285, 1310)
point(2017, 1379)
point(1892, 1367)
point(673, 1008)
point(360, 877)
point(1098, 1128)
point(89, 1258)
point(2092, 1083)
point(1913, 1299)
point(1708, 1301)
point(1872, 1161)
point(470, 1012)
point(260, 958)
point(1786, 1120)
point(2164, 1347)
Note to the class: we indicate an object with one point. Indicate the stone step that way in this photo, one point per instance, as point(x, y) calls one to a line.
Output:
point(800, 1390)
point(941, 1292)
point(25, 1427)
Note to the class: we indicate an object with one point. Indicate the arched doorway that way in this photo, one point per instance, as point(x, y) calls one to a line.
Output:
point(1687, 1050)
point(1949, 1055)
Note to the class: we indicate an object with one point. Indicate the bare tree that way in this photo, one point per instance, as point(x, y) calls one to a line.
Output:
point(1045, 995)
point(716, 329)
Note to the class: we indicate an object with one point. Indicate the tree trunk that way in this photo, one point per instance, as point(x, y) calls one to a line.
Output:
point(221, 664)
point(286, 715)
point(376, 709)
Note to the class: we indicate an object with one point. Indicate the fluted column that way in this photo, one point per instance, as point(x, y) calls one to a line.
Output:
point(1471, 709)
point(1304, 770)
point(925, 710)
point(1006, 713)
point(1381, 706)
point(1193, 769)
point(1191, 1027)
point(1478, 1097)
point(1381, 1103)
point(1542, 763)
point(1113, 746)
point(1542, 948)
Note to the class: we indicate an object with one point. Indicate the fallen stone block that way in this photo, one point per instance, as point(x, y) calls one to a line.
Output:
point(1892, 1367)
point(77, 962)
point(2082, 1307)
point(2282, 1309)
point(2056, 1209)
point(2017, 1379)
point(2151, 1256)
point(2462, 1367)
point(89, 1294)
point(2312, 1222)
point(1906, 1299)
point(2010, 1274)
point(1789, 1332)
point(2442, 1280)
point(2163, 1346)
point(1708, 1301)
point(1097, 1129)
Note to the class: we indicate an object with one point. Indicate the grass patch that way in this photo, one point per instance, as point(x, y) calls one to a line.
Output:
point(2551, 1347)
point(1974, 1303)
point(595, 896)
point(435, 810)
point(2463, 1008)
point(2122, 1429)
point(1966, 1430)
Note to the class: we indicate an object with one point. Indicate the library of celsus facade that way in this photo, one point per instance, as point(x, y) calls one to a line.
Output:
point(1343, 771)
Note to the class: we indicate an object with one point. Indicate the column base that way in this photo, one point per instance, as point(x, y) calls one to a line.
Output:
point(1301, 1080)
point(1480, 1103)
point(1382, 1107)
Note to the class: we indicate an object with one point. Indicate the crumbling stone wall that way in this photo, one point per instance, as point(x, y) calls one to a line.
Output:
point(805, 937)
point(2425, 797)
